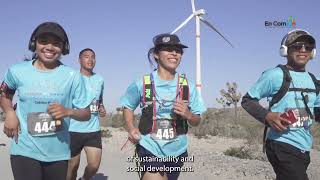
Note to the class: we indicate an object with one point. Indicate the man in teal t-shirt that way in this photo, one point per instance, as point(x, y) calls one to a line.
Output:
point(288, 143)
point(87, 135)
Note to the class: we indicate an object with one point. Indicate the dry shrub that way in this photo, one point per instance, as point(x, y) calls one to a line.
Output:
point(316, 135)
point(106, 133)
point(242, 152)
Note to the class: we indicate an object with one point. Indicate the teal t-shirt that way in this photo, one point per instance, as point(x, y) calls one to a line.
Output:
point(36, 89)
point(317, 104)
point(166, 94)
point(298, 134)
point(94, 86)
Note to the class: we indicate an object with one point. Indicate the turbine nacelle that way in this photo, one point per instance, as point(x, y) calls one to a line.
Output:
point(200, 12)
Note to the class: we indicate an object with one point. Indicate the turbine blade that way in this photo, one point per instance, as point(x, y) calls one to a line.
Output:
point(213, 28)
point(183, 24)
point(193, 6)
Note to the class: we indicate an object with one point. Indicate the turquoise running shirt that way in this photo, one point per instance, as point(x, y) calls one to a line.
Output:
point(94, 86)
point(36, 89)
point(298, 134)
point(166, 93)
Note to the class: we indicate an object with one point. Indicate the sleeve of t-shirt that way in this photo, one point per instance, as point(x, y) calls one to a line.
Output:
point(131, 98)
point(317, 102)
point(10, 79)
point(264, 87)
point(196, 103)
point(317, 106)
point(81, 97)
point(101, 94)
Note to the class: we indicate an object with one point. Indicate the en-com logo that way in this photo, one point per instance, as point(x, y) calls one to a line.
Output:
point(289, 23)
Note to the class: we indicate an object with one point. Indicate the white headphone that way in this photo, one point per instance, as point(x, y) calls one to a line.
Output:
point(284, 48)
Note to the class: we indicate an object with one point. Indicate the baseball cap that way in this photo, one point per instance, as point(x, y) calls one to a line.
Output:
point(299, 35)
point(167, 39)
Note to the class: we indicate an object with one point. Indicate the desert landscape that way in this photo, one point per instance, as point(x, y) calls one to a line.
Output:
point(220, 148)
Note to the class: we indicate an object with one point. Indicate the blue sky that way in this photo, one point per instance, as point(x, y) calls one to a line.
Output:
point(121, 33)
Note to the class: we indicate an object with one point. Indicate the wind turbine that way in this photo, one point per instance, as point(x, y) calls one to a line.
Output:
point(198, 15)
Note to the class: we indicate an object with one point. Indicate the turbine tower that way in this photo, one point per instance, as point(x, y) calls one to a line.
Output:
point(198, 15)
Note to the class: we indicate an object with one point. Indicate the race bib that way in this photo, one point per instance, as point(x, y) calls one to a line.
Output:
point(303, 120)
point(164, 130)
point(42, 124)
point(94, 107)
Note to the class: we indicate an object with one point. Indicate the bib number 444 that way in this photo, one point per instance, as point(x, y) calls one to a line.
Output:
point(42, 124)
point(45, 127)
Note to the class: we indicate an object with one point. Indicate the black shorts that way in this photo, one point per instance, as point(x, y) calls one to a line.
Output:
point(288, 162)
point(142, 152)
point(79, 140)
point(28, 168)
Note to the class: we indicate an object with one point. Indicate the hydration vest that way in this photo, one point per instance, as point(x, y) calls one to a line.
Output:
point(148, 118)
point(285, 87)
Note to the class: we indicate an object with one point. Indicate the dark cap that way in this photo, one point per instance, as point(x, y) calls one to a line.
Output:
point(167, 39)
point(51, 28)
point(298, 36)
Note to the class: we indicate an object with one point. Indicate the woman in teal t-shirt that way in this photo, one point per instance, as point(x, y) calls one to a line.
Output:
point(49, 93)
point(169, 103)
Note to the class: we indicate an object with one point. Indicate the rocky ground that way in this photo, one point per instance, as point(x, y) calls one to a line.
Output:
point(209, 162)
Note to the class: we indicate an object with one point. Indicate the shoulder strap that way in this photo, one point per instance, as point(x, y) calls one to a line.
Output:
point(147, 90)
point(284, 87)
point(184, 88)
point(316, 83)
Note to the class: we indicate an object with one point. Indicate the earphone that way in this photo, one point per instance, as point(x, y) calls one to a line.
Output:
point(284, 48)
point(32, 41)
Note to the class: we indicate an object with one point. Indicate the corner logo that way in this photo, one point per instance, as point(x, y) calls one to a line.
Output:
point(289, 23)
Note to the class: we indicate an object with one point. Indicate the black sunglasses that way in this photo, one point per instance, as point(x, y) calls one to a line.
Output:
point(298, 46)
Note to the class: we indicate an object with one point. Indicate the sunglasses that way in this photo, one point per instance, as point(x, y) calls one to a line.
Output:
point(298, 46)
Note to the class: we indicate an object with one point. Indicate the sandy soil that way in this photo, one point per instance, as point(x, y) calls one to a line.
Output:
point(208, 162)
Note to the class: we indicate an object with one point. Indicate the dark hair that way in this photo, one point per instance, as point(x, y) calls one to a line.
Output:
point(86, 49)
point(155, 50)
point(152, 51)
point(54, 29)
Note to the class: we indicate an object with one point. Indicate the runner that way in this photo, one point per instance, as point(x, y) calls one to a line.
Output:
point(86, 135)
point(169, 104)
point(294, 93)
point(49, 93)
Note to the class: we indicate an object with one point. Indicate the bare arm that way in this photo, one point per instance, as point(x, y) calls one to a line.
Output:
point(57, 111)
point(11, 123)
point(194, 119)
point(133, 133)
point(182, 109)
